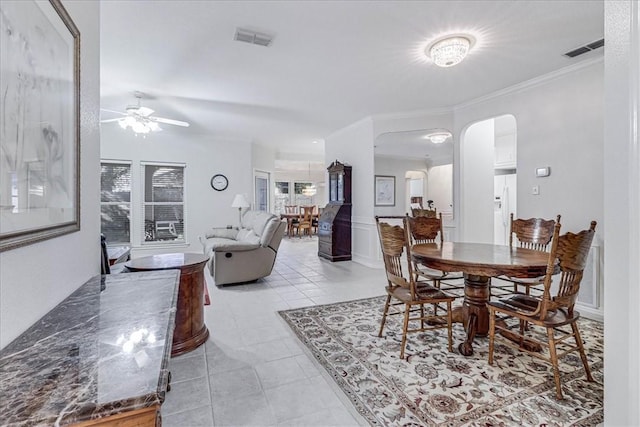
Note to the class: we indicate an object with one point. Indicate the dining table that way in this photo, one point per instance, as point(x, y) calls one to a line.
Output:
point(479, 262)
point(291, 216)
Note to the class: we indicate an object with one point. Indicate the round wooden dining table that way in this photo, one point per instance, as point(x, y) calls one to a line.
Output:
point(479, 262)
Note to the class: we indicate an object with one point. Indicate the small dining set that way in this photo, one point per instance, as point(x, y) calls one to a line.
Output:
point(301, 220)
point(522, 295)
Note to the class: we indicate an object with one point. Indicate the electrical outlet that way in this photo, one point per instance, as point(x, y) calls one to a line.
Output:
point(535, 190)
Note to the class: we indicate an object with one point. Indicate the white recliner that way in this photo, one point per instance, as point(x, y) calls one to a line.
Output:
point(245, 254)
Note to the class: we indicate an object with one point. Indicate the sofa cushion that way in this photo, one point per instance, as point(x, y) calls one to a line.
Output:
point(269, 230)
point(247, 235)
point(227, 233)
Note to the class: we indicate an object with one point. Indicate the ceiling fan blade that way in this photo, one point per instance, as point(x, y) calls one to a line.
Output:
point(112, 111)
point(169, 121)
point(109, 120)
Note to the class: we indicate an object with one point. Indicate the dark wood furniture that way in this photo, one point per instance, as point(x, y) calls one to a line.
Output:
point(190, 331)
point(479, 262)
point(550, 312)
point(334, 225)
point(304, 222)
point(428, 229)
point(404, 291)
point(429, 213)
point(100, 357)
point(532, 233)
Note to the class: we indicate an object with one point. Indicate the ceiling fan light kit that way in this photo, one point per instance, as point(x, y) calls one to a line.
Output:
point(141, 120)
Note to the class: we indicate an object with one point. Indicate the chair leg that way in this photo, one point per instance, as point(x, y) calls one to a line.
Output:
point(421, 316)
point(405, 327)
point(384, 314)
point(554, 363)
point(583, 356)
point(492, 333)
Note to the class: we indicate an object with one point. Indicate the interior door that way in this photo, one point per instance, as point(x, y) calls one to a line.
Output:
point(261, 190)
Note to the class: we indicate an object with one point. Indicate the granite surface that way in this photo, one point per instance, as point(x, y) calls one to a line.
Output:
point(103, 350)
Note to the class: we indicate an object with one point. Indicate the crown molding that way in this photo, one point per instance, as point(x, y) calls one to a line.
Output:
point(412, 113)
point(527, 84)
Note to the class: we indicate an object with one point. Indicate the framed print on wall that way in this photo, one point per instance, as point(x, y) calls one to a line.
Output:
point(385, 190)
point(40, 123)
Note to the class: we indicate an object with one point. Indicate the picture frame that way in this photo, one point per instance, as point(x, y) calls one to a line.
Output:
point(40, 127)
point(385, 190)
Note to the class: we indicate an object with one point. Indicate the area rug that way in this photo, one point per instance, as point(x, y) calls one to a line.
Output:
point(433, 387)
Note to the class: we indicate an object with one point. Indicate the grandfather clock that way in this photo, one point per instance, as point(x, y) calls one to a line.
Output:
point(334, 225)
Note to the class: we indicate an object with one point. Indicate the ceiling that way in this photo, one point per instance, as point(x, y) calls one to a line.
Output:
point(331, 63)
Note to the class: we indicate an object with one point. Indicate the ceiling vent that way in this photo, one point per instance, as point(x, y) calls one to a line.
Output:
point(586, 48)
point(252, 37)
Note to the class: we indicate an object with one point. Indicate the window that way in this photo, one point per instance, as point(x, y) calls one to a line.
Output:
point(281, 196)
point(163, 202)
point(115, 201)
point(299, 198)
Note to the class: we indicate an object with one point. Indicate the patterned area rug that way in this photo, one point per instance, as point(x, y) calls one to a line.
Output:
point(437, 388)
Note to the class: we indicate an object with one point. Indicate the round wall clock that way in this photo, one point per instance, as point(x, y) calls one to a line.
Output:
point(219, 182)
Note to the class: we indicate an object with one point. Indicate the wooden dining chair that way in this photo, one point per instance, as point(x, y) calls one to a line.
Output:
point(426, 229)
point(291, 209)
point(305, 222)
point(429, 213)
point(315, 219)
point(532, 233)
point(404, 295)
point(568, 253)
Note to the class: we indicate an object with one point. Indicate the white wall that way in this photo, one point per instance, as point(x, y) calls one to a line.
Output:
point(398, 168)
point(35, 278)
point(622, 214)
point(353, 146)
point(204, 157)
point(440, 189)
point(560, 124)
point(476, 190)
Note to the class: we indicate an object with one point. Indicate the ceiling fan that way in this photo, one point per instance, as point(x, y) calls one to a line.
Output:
point(141, 119)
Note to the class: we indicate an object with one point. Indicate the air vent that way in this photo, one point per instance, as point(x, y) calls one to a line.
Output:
point(252, 37)
point(586, 48)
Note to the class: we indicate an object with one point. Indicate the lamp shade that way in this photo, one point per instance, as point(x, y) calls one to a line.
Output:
point(240, 202)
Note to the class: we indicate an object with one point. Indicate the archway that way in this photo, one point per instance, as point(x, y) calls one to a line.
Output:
point(488, 179)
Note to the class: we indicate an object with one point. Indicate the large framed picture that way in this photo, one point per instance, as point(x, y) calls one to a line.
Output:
point(40, 122)
point(385, 190)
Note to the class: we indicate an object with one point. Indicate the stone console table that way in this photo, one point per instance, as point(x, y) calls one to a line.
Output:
point(100, 357)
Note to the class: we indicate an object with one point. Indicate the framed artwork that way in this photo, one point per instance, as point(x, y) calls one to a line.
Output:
point(40, 124)
point(385, 190)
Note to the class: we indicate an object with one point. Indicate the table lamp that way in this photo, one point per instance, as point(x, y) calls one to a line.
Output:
point(240, 202)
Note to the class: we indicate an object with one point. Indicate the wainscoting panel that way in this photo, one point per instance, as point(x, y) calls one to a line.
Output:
point(589, 300)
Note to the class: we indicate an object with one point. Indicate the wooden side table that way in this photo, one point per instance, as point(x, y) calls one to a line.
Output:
point(190, 331)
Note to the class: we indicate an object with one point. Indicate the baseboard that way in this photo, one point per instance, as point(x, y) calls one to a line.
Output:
point(590, 312)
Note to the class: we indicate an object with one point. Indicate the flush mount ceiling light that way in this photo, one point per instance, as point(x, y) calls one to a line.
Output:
point(450, 50)
point(438, 137)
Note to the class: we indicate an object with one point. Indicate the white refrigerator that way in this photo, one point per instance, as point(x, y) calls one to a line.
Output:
point(504, 203)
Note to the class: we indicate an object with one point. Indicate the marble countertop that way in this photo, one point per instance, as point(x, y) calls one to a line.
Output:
point(102, 351)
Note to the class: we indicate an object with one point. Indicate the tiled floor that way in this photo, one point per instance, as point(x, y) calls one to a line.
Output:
point(252, 370)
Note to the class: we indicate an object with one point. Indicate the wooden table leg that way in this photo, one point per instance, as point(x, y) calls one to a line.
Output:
point(475, 315)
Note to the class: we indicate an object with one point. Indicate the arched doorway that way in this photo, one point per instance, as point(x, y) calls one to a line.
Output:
point(488, 179)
